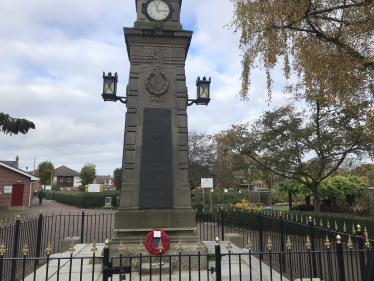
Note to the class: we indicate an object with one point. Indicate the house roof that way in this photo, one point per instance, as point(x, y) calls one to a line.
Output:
point(102, 179)
point(32, 178)
point(64, 171)
point(10, 163)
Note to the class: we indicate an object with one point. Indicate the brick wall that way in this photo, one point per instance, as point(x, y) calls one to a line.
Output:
point(8, 178)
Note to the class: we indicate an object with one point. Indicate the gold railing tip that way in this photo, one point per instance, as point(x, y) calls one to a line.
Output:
point(2, 248)
point(180, 247)
point(141, 247)
point(308, 244)
point(288, 244)
point(367, 243)
point(344, 227)
point(25, 249)
point(327, 244)
point(203, 210)
point(269, 244)
point(106, 243)
point(48, 250)
point(217, 241)
point(83, 210)
point(229, 247)
point(71, 249)
point(249, 244)
point(339, 239)
point(198, 245)
point(18, 218)
point(160, 247)
point(94, 248)
point(350, 244)
point(336, 226)
point(358, 227)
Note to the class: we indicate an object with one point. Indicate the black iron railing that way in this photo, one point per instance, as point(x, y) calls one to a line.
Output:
point(334, 265)
point(257, 229)
point(37, 232)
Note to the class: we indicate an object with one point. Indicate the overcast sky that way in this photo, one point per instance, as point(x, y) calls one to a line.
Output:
point(53, 53)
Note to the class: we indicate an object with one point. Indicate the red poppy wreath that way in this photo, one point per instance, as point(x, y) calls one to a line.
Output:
point(148, 242)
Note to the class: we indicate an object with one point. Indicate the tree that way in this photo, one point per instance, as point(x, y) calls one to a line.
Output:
point(347, 189)
point(200, 157)
point(9, 125)
point(327, 44)
point(291, 187)
point(88, 173)
point(117, 174)
point(282, 140)
point(45, 169)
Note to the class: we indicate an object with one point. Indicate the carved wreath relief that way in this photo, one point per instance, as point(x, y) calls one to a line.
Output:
point(157, 83)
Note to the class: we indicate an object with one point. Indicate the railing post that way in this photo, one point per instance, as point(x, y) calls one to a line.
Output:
point(222, 225)
point(360, 244)
point(2, 252)
point(218, 261)
point(340, 258)
point(369, 269)
point(106, 261)
point(282, 262)
point(313, 247)
point(260, 240)
point(82, 226)
point(15, 249)
point(39, 237)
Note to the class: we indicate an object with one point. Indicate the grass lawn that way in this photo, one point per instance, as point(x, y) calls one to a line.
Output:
point(281, 208)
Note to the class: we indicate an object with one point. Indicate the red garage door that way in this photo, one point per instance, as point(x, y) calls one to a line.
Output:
point(17, 194)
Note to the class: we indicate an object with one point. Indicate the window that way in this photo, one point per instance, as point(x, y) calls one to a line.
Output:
point(61, 179)
point(69, 180)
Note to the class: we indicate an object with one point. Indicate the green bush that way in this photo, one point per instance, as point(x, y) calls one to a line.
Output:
point(83, 199)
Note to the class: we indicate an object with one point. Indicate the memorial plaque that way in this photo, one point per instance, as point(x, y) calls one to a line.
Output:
point(156, 182)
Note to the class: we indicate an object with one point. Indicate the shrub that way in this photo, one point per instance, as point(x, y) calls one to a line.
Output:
point(84, 199)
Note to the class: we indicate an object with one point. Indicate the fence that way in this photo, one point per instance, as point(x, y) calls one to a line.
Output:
point(254, 226)
point(308, 240)
point(250, 267)
point(40, 230)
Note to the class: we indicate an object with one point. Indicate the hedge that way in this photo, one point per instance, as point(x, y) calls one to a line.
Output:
point(83, 199)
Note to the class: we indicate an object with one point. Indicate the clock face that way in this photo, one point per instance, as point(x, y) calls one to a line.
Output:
point(158, 10)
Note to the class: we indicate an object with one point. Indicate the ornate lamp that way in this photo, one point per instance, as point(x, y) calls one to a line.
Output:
point(110, 88)
point(203, 92)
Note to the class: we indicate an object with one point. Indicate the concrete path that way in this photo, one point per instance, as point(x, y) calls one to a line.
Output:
point(81, 251)
point(84, 250)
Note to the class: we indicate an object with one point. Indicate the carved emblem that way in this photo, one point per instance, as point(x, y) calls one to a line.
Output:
point(157, 83)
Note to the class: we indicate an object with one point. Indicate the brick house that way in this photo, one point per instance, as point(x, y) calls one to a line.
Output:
point(67, 178)
point(106, 181)
point(15, 185)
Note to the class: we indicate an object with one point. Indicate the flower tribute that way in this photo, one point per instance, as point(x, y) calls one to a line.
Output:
point(148, 243)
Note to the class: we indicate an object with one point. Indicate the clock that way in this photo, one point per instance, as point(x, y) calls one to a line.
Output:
point(157, 10)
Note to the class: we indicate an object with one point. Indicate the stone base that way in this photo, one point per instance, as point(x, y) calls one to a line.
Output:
point(133, 250)
point(235, 238)
point(131, 225)
point(155, 268)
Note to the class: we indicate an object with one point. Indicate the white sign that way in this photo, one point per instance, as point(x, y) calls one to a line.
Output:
point(7, 189)
point(93, 188)
point(206, 183)
point(48, 187)
point(157, 234)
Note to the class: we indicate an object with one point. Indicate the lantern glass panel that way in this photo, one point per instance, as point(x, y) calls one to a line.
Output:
point(204, 91)
point(108, 86)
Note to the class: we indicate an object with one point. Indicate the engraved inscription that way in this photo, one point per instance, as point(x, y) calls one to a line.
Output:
point(174, 53)
point(156, 169)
